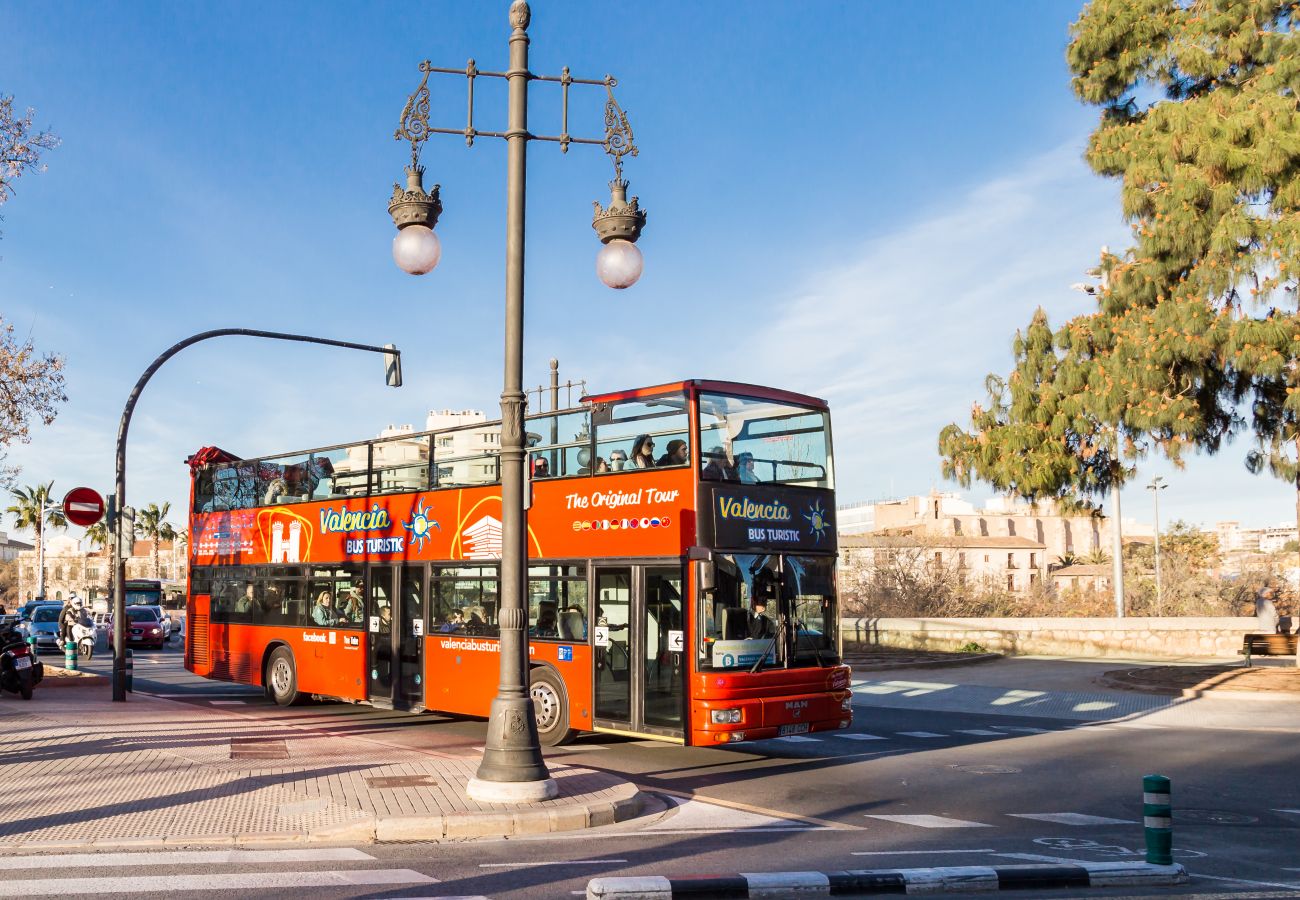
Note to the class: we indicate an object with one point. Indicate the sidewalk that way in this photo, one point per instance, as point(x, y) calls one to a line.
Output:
point(80, 771)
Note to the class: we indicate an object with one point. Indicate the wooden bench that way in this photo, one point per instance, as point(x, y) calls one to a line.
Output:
point(1268, 645)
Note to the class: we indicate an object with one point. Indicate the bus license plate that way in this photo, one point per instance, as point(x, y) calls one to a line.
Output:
point(797, 728)
point(22, 662)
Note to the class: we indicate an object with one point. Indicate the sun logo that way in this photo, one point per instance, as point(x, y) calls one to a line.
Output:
point(420, 525)
point(816, 517)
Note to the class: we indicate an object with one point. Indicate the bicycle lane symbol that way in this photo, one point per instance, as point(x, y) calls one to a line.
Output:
point(1113, 851)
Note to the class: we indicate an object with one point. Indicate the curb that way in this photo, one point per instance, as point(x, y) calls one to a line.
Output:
point(79, 679)
point(948, 879)
point(966, 660)
point(626, 803)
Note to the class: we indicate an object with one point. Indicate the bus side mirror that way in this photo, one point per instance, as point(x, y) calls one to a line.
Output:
point(706, 579)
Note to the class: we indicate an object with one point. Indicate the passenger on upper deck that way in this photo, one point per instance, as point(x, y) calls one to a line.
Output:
point(677, 454)
point(643, 452)
point(717, 468)
point(541, 468)
point(745, 468)
point(617, 460)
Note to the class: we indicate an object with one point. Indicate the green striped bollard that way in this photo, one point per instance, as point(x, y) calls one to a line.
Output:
point(1158, 819)
point(70, 656)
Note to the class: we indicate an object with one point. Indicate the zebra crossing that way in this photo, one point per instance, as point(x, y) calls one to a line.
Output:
point(36, 873)
point(1073, 819)
point(956, 733)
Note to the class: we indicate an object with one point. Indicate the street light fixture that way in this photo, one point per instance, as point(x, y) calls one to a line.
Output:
point(1155, 487)
point(513, 769)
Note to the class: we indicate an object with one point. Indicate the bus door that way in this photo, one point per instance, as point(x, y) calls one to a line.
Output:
point(408, 632)
point(638, 650)
point(379, 635)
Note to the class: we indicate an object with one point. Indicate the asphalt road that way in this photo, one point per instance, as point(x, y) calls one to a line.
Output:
point(904, 787)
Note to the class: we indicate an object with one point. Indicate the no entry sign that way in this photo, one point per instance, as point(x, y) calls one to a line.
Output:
point(83, 506)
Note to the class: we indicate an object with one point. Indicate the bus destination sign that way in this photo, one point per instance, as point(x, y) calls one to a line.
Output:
point(773, 517)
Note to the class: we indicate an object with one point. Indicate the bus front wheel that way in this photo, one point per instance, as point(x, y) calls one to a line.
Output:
point(552, 708)
point(282, 678)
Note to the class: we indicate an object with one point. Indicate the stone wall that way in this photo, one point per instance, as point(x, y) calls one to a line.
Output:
point(1166, 637)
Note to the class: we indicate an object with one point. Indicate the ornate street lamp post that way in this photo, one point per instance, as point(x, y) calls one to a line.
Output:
point(513, 769)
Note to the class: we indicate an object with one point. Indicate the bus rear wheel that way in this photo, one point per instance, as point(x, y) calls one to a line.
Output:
point(282, 677)
point(552, 708)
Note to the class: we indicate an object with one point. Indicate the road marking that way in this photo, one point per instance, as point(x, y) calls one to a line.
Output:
point(558, 862)
point(1024, 729)
point(230, 881)
point(931, 821)
point(749, 808)
point(798, 739)
point(1069, 818)
point(180, 858)
point(227, 702)
point(861, 737)
point(915, 852)
point(1143, 725)
point(1296, 811)
point(1245, 881)
point(920, 734)
point(982, 732)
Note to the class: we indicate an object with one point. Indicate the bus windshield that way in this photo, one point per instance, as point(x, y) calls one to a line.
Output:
point(764, 442)
point(768, 610)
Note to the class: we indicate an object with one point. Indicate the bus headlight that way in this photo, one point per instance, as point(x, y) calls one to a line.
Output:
point(726, 716)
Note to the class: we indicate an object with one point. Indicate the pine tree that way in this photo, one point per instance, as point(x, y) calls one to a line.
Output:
point(1196, 322)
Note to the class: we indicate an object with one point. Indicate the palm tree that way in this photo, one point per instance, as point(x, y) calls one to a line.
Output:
point(26, 510)
point(1098, 557)
point(1066, 559)
point(151, 523)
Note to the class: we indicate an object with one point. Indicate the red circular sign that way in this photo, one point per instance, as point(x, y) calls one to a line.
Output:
point(83, 506)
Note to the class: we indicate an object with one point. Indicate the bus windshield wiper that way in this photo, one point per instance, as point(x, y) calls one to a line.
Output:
point(816, 650)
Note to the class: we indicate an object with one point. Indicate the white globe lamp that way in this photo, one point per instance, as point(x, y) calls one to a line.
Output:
point(619, 264)
point(416, 249)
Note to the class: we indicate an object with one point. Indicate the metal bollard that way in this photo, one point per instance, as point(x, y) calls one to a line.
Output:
point(1158, 819)
point(70, 656)
point(130, 670)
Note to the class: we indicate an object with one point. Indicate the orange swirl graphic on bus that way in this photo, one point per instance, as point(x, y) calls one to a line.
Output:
point(290, 541)
point(483, 535)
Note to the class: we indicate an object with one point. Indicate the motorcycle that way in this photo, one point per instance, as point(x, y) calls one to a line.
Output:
point(84, 637)
point(20, 669)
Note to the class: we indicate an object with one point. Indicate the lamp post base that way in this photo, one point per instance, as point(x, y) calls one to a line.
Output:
point(511, 791)
point(512, 770)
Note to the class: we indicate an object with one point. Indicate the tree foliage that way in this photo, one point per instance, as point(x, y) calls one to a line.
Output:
point(27, 510)
point(20, 146)
point(1195, 334)
point(151, 524)
point(31, 388)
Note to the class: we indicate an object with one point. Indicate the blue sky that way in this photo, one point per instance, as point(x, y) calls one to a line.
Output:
point(854, 200)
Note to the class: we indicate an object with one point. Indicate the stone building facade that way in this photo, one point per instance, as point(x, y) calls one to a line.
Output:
point(68, 567)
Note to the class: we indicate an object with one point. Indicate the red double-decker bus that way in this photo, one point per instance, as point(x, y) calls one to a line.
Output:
point(681, 577)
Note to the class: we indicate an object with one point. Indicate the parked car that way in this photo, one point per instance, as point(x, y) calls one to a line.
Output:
point(144, 625)
point(44, 626)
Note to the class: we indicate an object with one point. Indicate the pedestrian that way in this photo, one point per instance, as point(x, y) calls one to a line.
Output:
point(1265, 610)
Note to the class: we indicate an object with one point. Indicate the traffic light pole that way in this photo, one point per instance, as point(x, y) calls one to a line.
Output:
point(117, 502)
